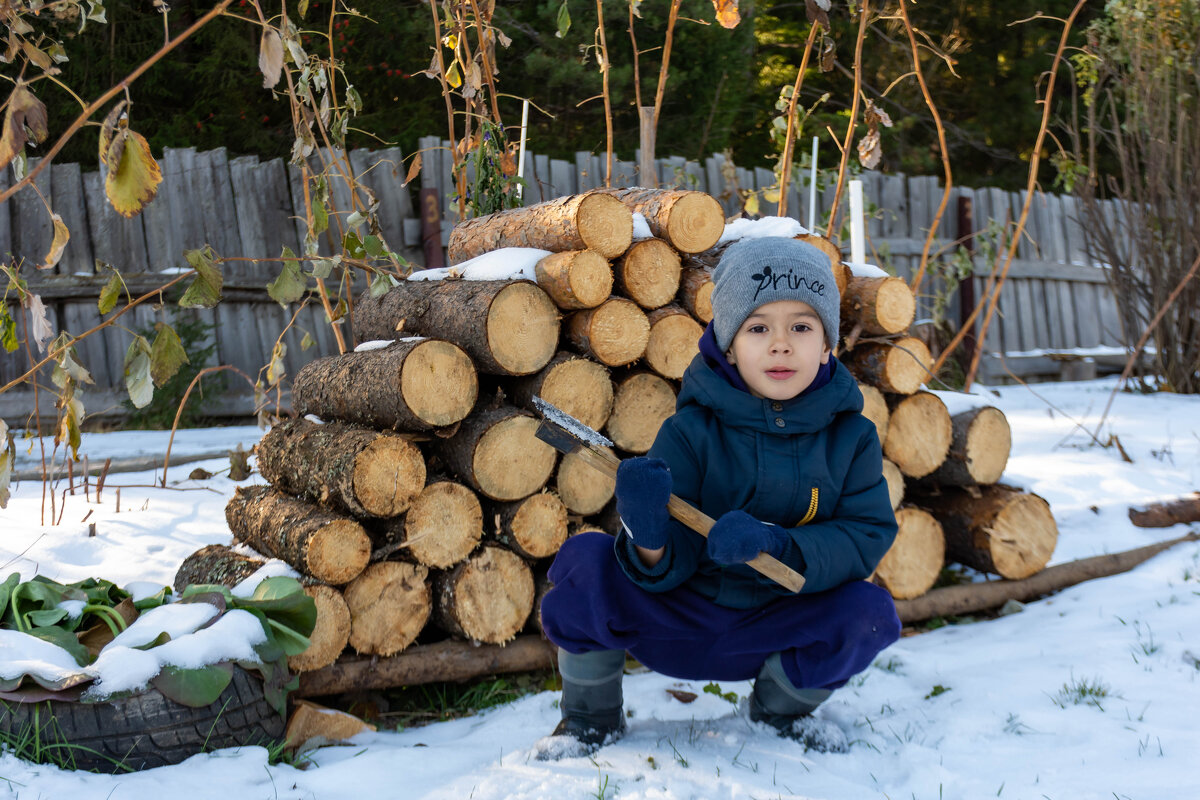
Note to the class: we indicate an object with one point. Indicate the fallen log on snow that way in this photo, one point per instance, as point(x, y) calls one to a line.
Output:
point(968, 598)
point(1166, 514)
point(451, 660)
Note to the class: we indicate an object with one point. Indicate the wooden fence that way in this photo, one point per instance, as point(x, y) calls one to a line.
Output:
point(1054, 304)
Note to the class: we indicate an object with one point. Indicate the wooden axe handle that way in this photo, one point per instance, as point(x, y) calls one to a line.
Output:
point(698, 521)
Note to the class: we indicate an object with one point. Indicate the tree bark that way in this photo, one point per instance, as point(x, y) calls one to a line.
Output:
point(487, 598)
point(690, 221)
point(498, 454)
point(998, 529)
point(1164, 515)
point(575, 279)
point(899, 367)
point(912, 565)
point(919, 433)
point(695, 292)
point(332, 631)
point(413, 384)
point(583, 489)
point(588, 221)
point(215, 563)
point(980, 443)
point(349, 469)
point(506, 327)
point(572, 383)
point(972, 597)
point(331, 548)
point(648, 273)
point(641, 403)
point(442, 527)
point(389, 605)
point(615, 333)
point(533, 528)
point(674, 341)
point(450, 660)
point(880, 305)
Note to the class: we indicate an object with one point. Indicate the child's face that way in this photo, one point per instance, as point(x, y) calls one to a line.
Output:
point(779, 349)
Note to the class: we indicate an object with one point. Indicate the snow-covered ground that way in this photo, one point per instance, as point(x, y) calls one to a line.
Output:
point(973, 711)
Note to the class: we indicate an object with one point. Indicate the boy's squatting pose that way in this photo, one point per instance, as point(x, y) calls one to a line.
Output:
point(768, 438)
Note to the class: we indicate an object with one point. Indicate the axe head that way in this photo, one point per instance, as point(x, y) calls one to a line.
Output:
point(563, 432)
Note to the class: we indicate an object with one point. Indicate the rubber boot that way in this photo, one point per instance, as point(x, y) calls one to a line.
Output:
point(781, 704)
point(591, 696)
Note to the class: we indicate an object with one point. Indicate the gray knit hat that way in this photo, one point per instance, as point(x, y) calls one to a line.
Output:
point(753, 272)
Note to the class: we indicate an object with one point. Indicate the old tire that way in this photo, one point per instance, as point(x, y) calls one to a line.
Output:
point(145, 730)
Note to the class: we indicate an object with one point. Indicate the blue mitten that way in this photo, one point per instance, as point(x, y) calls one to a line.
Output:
point(737, 537)
point(643, 487)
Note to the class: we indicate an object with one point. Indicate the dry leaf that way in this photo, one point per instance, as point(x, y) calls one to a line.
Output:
point(828, 54)
point(61, 237)
point(682, 696)
point(818, 12)
point(270, 58)
point(727, 13)
point(108, 129)
point(25, 117)
point(133, 174)
point(40, 328)
point(414, 169)
point(870, 151)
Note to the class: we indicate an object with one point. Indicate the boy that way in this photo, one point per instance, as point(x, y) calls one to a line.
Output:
point(768, 439)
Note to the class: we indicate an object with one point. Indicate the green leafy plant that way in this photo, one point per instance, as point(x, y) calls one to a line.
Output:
point(715, 688)
point(1081, 691)
point(42, 608)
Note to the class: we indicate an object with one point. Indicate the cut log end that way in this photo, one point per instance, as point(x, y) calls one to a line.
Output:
point(583, 489)
point(581, 388)
point(488, 598)
point(388, 474)
point(895, 483)
point(510, 462)
point(615, 333)
point(522, 328)
point(605, 224)
point(875, 408)
point(1022, 536)
point(919, 434)
point(539, 526)
point(641, 404)
point(649, 273)
point(674, 342)
point(895, 306)
point(575, 279)
point(338, 552)
point(444, 524)
point(389, 604)
point(989, 440)
point(438, 383)
point(696, 223)
point(332, 631)
point(914, 561)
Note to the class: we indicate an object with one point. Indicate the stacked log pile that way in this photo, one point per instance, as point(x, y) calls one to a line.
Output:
point(413, 496)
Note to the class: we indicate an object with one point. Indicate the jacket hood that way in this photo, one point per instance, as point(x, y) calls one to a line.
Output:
point(806, 413)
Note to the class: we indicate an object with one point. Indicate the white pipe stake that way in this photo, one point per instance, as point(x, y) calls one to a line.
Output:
point(812, 191)
point(521, 152)
point(857, 234)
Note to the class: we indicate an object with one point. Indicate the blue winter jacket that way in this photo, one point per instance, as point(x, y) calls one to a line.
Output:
point(812, 464)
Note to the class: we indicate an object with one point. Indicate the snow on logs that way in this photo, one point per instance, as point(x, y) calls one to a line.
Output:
point(593, 221)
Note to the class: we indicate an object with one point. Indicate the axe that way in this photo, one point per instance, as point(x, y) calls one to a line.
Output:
point(568, 435)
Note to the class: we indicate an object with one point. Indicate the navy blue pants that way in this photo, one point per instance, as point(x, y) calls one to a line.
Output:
point(824, 638)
